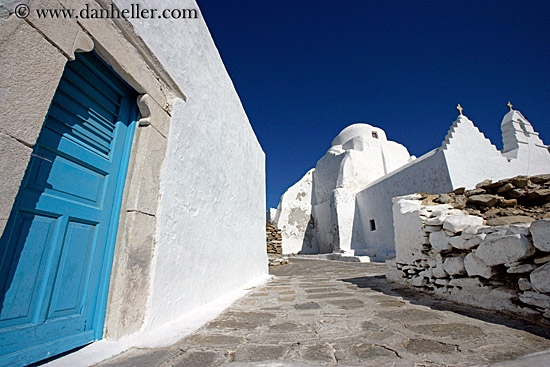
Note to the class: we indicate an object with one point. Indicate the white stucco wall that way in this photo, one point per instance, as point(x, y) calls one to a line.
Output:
point(426, 174)
point(211, 221)
point(472, 158)
point(294, 215)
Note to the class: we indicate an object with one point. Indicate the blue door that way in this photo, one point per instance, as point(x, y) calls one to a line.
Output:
point(56, 251)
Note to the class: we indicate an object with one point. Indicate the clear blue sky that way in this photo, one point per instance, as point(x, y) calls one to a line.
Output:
point(304, 70)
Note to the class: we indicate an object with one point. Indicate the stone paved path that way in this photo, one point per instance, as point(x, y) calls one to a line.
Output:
point(318, 313)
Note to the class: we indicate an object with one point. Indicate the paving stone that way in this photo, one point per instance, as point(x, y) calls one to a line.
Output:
point(256, 353)
point(327, 327)
point(329, 295)
point(141, 357)
point(321, 290)
point(424, 346)
point(366, 351)
point(319, 352)
point(452, 330)
point(347, 304)
point(286, 299)
point(202, 358)
point(215, 339)
point(307, 306)
point(408, 315)
point(391, 303)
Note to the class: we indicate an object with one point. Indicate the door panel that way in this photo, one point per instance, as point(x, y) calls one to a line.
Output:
point(60, 236)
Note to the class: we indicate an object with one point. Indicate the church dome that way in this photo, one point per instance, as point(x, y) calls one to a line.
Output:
point(362, 130)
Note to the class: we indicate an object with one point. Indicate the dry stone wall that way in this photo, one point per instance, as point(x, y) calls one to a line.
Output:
point(274, 245)
point(488, 247)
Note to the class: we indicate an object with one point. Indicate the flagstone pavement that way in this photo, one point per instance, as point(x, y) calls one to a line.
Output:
point(325, 313)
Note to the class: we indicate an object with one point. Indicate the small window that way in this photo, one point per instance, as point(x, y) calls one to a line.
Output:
point(374, 135)
point(372, 225)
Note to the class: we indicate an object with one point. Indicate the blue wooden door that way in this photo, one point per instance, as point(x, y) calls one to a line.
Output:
point(56, 250)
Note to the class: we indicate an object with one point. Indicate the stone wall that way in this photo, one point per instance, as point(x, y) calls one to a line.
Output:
point(488, 247)
point(273, 238)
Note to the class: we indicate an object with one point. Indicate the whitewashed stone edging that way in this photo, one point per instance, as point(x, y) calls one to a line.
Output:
point(454, 255)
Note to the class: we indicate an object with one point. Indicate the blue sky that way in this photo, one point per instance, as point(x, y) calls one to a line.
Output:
point(304, 70)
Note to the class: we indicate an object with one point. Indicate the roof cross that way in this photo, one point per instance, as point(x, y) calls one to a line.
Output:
point(459, 108)
point(509, 105)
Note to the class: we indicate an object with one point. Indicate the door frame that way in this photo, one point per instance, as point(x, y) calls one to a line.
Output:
point(119, 46)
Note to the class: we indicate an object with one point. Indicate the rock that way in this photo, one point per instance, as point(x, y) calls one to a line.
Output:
point(470, 232)
point(519, 269)
point(540, 279)
point(540, 230)
point(535, 299)
point(435, 221)
point(475, 266)
point(524, 284)
point(483, 200)
point(467, 244)
point(469, 193)
point(457, 242)
point(515, 193)
point(440, 241)
point(483, 183)
point(507, 203)
point(439, 272)
point(509, 220)
point(542, 260)
point(520, 228)
point(472, 284)
point(505, 188)
point(495, 235)
point(507, 249)
point(457, 223)
point(520, 181)
point(419, 282)
point(459, 191)
point(454, 265)
point(460, 202)
point(444, 199)
point(539, 179)
point(430, 229)
point(441, 281)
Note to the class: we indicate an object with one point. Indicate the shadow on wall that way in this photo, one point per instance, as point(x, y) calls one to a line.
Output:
point(308, 244)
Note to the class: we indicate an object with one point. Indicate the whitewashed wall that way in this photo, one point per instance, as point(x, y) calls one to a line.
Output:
point(211, 222)
point(426, 174)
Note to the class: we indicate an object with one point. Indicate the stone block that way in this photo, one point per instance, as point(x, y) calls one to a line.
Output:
point(483, 200)
point(29, 63)
point(143, 190)
point(540, 230)
point(475, 266)
point(440, 241)
point(118, 52)
point(520, 269)
point(14, 158)
point(454, 265)
point(457, 223)
point(419, 281)
point(540, 279)
point(535, 299)
point(63, 33)
point(524, 284)
point(498, 221)
point(439, 272)
point(519, 228)
point(506, 249)
point(542, 260)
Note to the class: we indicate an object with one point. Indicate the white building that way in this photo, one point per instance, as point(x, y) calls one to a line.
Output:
point(133, 187)
point(353, 185)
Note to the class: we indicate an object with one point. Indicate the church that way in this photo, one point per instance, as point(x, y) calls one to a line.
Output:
point(343, 207)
